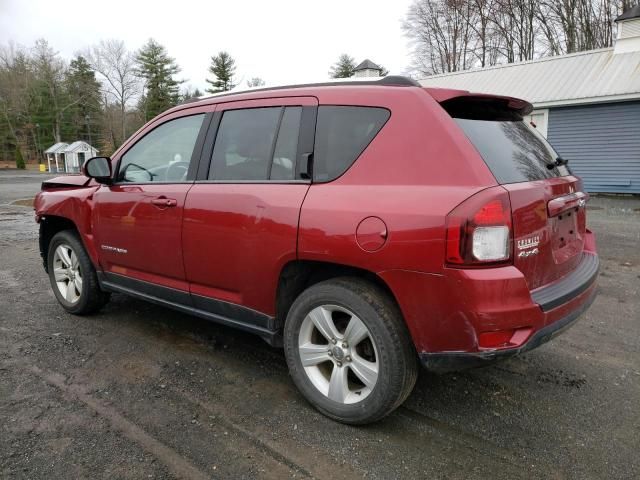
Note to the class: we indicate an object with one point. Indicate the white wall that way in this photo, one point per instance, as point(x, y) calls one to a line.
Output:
point(539, 118)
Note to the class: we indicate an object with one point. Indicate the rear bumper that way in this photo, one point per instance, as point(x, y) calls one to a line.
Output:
point(456, 361)
point(449, 315)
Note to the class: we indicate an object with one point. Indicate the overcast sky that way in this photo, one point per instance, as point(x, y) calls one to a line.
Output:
point(282, 41)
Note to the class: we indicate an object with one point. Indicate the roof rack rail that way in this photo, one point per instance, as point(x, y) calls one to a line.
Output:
point(389, 80)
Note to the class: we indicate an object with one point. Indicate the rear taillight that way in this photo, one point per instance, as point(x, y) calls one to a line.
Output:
point(479, 230)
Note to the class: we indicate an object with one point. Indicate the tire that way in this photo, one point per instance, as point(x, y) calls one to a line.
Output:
point(76, 287)
point(354, 384)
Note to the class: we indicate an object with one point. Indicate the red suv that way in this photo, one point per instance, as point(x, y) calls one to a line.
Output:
point(364, 226)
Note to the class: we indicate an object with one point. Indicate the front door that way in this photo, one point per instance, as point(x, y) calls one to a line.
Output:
point(138, 219)
point(241, 215)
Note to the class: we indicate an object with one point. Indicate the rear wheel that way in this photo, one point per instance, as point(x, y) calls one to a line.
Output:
point(349, 351)
point(72, 275)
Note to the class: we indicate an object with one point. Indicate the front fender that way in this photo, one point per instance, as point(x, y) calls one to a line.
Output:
point(74, 205)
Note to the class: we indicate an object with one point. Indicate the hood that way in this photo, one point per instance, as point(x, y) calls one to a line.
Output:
point(67, 181)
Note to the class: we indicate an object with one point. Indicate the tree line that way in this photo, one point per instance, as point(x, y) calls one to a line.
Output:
point(453, 35)
point(101, 96)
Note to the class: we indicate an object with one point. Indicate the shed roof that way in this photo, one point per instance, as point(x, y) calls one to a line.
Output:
point(79, 146)
point(586, 77)
point(367, 64)
point(629, 14)
point(57, 147)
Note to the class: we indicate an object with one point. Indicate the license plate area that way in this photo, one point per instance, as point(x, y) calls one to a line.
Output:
point(566, 239)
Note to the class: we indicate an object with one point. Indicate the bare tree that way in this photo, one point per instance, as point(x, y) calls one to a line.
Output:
point(440, 32)
point(255, 82)
point(116, 65)
point(515, 22)
point(449, 35)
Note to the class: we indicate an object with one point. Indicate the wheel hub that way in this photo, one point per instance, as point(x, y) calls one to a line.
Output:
point(338, 353)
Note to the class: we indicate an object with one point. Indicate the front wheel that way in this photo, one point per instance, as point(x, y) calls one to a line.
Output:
point(349, 351)
point(72, 275)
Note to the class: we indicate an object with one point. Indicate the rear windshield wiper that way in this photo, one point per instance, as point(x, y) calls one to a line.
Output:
point(558, 163)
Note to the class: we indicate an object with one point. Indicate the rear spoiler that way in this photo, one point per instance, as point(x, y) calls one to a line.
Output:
point(464, 104)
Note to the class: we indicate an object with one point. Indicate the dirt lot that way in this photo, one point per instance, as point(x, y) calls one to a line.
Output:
point(139, 391)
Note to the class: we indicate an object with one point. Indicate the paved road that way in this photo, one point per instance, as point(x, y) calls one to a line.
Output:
point(139, 391)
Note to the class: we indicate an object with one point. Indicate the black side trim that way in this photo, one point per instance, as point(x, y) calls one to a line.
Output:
point(213, 310)
point(231, 310)
point(570, 286)
point(456, 361)
point(113, 280)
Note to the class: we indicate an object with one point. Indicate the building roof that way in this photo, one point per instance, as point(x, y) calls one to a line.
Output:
point(586, 77)
point(629, 14)
point(367, 64)
point(79, 146)
point(57, 147)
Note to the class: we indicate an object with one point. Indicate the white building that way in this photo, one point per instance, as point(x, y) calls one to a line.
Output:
point(367, 69)
point(76, 153)
point(55, 156)
point(68, 158)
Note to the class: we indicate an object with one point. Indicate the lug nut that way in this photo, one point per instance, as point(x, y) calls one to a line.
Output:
point(348, 358)
point(344, 345)
point(334, 341)
point(329, 353)
point(339, 364)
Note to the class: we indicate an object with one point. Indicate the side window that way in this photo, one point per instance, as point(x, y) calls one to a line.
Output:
point(256, 144)
point(164, 154)
point(342, 134)
point(284, 155)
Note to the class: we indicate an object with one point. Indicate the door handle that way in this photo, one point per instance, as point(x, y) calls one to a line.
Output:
point(164, 202)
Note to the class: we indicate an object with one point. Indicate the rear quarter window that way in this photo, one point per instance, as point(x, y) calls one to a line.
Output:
point(513, 151)
point(342, 134)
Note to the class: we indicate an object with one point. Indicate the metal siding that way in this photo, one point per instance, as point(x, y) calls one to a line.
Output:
point(602, 144)
point(583, 75)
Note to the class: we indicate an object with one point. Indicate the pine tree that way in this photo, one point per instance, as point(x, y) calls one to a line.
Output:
point(343, 68)
point(157, 68)
point(223, 66)
point(84, 90)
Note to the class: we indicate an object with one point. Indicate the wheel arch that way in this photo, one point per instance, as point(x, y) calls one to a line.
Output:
point(298, 275)
point(50, 225)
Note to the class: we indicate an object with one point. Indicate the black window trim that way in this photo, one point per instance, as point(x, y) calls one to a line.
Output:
point(306, 139)
point(196, 155)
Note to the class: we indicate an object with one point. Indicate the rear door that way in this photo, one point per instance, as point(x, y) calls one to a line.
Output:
point(548, 204)
point(241, 216)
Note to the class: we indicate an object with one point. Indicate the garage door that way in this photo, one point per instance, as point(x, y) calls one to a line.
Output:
point(602, 144)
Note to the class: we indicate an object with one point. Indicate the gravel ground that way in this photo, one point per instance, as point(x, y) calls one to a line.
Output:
point(139, 391)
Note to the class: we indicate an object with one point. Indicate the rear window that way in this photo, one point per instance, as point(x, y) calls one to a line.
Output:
point(342, 134)
point(513, 151)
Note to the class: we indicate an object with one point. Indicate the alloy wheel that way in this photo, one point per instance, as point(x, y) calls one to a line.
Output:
point(67, 273)
point(338, 354)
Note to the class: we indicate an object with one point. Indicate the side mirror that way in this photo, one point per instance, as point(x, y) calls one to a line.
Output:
point(98, 168)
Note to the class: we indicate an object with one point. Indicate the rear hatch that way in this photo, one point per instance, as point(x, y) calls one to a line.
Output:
point(547, 201)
